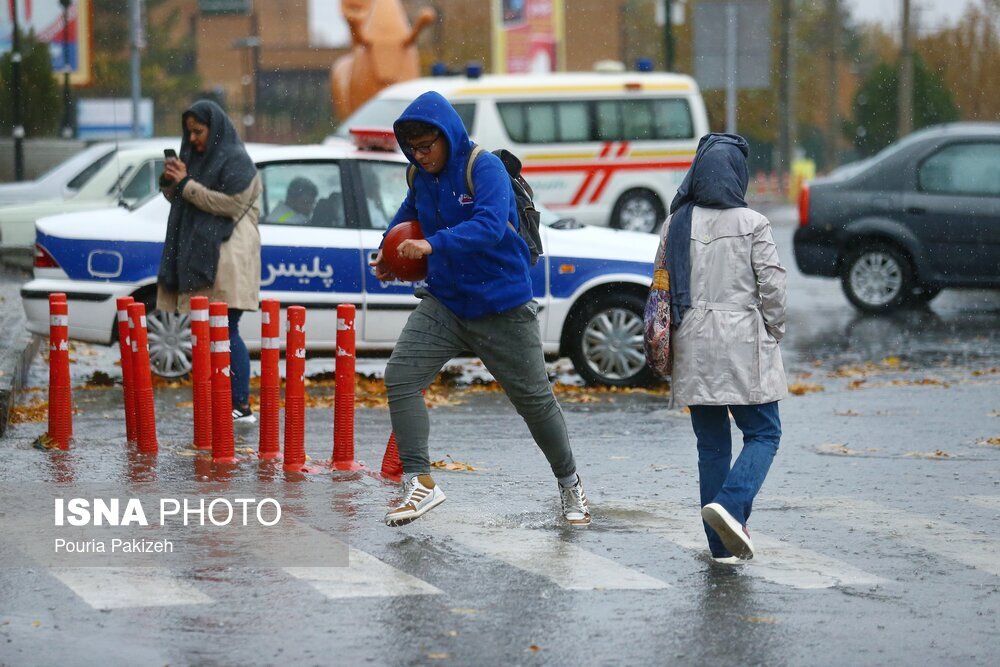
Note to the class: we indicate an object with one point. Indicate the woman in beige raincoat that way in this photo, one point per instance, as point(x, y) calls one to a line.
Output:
point(727, 292)
point(212, 247)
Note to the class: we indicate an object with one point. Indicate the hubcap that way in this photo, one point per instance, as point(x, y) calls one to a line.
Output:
point(638, 215)
point(876, 278)
point(169, 343)
point(612, 344)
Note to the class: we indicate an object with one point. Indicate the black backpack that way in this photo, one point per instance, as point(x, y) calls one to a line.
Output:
point(528, 216)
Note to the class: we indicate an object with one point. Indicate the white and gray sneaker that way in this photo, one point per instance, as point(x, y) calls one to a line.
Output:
point(420, 495)
point(735, 536)
point(575, 509)
point(243, 416)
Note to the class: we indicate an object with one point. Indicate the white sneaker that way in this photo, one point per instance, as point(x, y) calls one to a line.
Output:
point(575, 509)
point(728, 560)
point(241, 416)
point(421, 495)
point(735, 536)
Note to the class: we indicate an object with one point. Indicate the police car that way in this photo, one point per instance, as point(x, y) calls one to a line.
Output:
point(590, 283)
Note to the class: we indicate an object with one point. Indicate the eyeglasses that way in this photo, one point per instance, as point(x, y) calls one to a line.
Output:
point(423, 149)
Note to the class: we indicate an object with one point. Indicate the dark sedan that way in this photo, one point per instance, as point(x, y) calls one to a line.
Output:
point(922, 215)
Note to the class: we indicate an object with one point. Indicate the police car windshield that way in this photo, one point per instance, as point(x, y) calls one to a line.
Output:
point(376, 113)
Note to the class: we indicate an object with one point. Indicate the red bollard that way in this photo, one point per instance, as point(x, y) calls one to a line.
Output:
point(295, 389)
point(270, 379)
point(392, 467)
point(142, 379)
point(201, 373)
point(223, 447)
point(60, 393)
point(343, 399)
point(125, 351)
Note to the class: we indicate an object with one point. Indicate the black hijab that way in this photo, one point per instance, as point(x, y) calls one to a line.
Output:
point(191, 248)
point(718, 178)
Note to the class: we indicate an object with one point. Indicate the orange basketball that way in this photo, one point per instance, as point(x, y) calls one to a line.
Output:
point(401, 267)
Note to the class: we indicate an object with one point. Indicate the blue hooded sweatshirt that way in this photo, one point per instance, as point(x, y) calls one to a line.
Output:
point(480, 265)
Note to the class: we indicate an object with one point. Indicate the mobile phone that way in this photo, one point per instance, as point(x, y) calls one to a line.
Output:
point(169, 153)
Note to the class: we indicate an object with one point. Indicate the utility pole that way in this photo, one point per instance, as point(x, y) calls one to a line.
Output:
point(833, 112)
point(905, 102)
point(668, 35)
point(18, 132)
point(138, 43)
point(732, 35)
point(786, 115)
point(67, 124)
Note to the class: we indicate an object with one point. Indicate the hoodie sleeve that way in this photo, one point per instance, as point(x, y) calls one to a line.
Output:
point(488, 223)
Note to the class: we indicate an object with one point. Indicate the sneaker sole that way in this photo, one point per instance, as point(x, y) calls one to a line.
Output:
point(410, 518)
point(578, 523)
point(728, 531)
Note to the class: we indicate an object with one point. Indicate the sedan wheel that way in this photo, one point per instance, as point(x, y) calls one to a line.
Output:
point(877, 278)
point(608, 346)
point(169, 343)
point(638, 211)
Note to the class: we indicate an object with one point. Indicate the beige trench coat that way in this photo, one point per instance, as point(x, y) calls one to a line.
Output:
point(726, 348)
point(237, 281)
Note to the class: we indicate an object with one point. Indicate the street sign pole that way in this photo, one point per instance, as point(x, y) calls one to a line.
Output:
point(731, 36)
point(18, 132)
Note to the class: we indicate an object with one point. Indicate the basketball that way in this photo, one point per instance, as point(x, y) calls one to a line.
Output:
point(401, 267)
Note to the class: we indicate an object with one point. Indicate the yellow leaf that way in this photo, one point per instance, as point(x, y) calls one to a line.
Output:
point(801, 388)
point(770, 620)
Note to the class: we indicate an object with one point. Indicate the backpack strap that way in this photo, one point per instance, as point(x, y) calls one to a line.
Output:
point(411, 174)
point(476, 150)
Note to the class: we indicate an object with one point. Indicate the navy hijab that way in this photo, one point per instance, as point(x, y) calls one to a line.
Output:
point(191, 248)
point(718, 178)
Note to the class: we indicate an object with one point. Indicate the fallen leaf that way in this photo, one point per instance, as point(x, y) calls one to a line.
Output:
point(464, 611)
point(35, 411)
point(801, 388)
point(534, 648)
point(847, 413)
point(452, 464)
point(936, 454)
point(837, 449)
point(36, 624)
point(770, 620)
point(438, 656)
point(989, 441)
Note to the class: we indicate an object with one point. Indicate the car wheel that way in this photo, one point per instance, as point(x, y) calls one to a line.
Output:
point(169, 343)
point(638, 211)
point(606, 344)
point(877, 278)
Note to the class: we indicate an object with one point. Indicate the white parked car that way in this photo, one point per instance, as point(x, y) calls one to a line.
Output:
point(128, 176)
point(591, 282)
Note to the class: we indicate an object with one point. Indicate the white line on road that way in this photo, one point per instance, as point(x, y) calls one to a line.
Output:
point(548, 556)
point(927, 533)
point(124, 587)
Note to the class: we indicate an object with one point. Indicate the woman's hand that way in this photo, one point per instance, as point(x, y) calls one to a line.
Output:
point(174, 170)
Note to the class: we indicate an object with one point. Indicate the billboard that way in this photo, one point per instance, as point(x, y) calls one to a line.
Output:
point(528, 36)
point(69, 44)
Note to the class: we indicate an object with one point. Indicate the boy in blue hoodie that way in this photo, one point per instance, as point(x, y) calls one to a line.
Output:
point(478, 298)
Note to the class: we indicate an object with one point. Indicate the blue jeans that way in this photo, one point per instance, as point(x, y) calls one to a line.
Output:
point(239, 362)
point(734, 488)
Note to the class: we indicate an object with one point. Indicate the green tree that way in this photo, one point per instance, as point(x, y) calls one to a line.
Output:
point(40, 97)
point(875, 119)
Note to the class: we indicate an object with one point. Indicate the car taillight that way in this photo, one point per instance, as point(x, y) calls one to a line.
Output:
point(43, 260)
point(804, 205)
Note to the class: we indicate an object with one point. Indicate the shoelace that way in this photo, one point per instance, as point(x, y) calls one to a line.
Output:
point(574, 498)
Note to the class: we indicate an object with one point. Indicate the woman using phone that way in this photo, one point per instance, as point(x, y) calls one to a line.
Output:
point(212, 247)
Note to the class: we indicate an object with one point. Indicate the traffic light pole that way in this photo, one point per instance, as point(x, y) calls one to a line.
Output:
point(18, 132)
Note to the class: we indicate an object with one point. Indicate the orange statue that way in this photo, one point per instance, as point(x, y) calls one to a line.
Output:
point(383, 51)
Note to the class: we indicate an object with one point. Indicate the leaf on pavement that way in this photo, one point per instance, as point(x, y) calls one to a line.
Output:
point(937, 454)
point(838, 449)
point(769, 620)
point(35, 411)
point(802, 388)
point(989, 441)
point(847, 413)
point(452, 464)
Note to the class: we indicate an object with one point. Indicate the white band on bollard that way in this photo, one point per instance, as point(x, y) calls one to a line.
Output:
point(219, 346)
point(265, 317)
point(123, 316)
point(218, 321)
point(342, 325)
point(59, 320)
point(270, 343)
point(142, 321)
point(200, 315)
point(135, 346)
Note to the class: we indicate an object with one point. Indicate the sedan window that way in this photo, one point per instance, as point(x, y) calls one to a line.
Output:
point(963, 169)
point(303, 193)
point(385, 189)
point(143, 183)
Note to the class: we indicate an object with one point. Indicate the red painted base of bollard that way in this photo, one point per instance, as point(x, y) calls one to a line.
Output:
point(301, 467)
point(346, 465)
point(270, 456)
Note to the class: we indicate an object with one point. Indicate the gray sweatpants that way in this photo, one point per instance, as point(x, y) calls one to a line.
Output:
point(509, 345)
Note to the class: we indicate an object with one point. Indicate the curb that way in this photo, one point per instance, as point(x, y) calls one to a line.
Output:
point(14, 365)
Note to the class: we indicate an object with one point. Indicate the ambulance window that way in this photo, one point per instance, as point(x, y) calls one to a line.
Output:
point(608, 119)
point(574, 124)
point(541, 122)
point(673, 119)
point(638, 117)
point(512, 116)
point(467, 112)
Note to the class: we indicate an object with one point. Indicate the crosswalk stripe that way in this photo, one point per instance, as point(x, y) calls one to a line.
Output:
point(989, 502)
point(363, 576)
point(567, 565)
point(124, 587)
point(776, 561)
point(927, 533)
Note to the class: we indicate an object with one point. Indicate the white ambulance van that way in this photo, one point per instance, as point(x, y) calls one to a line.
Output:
point(604, 148)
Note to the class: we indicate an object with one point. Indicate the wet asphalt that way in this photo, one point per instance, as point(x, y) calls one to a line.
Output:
point(877, 529)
